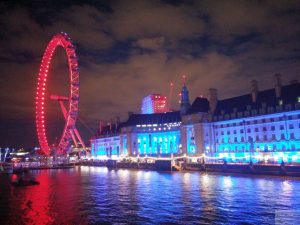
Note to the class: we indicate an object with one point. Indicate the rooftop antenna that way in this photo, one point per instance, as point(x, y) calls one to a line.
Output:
point(170, 96)
point(179, 97)
point(184, 80)
point(100, 127)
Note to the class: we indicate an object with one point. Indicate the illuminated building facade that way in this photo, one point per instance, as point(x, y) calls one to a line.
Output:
point(106, 143)
point(154, 103)
point(106, 147)
point(262, 127)
point(152, 134)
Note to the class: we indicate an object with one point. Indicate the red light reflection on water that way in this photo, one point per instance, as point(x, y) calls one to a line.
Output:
point(54, 201)
point(35, 203)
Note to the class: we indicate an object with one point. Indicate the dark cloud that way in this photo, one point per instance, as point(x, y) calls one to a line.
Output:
point(128, 50)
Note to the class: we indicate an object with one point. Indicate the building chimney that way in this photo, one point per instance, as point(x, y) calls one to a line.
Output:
point(278, 85)
point(117, 121)
point(254, 90)
point(130, 113)
point(213, 99)
point(295, 81)
point(111, 121)
point(101, 124)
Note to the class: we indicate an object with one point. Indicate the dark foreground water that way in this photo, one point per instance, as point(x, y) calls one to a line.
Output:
point(90, 195)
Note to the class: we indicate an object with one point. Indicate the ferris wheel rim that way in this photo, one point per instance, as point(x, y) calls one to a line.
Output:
point(63, 40)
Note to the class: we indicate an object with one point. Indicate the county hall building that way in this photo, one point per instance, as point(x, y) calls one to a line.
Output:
point(262, 126)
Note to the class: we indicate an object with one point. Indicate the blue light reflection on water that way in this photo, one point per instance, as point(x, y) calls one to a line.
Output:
point(90, 195)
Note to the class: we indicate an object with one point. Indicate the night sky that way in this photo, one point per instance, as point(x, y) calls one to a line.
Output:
point(129, 49)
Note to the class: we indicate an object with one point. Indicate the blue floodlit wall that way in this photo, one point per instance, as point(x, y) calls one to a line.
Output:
point(124, 146)
point(158, 143)
point(190, 137)
point(269, 138)
point(257, 157)
point(105, 147)
point(92, 147)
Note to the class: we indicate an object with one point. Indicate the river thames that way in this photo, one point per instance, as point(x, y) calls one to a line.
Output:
point(96, 195)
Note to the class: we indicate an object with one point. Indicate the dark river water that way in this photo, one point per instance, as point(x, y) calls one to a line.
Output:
point(91, 195)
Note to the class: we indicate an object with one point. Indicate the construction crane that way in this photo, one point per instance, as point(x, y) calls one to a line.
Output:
point(170, 96)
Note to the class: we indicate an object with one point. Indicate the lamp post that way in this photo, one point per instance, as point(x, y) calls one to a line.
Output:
point(6, 151)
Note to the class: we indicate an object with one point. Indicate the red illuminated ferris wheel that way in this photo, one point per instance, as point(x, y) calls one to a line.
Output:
point(70, 113)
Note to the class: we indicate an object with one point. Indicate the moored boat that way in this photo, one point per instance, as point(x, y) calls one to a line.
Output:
point(24, 182)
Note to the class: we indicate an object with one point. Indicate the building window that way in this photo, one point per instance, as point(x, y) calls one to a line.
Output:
point(228, 132)
point(265, 138)
point(263, 120)
point(257, 138)
point(272, 119)
point(272, 128)
point(256, 129)
point(241, 131)
point(291, 126)
point(235, 139)
point(264, 129)
point(248, 130)
point(281, 127)
point(282, 137)
point(242, 139)
point(273, 137)
point(234, 131)
point(292, 136)
point(222, 132)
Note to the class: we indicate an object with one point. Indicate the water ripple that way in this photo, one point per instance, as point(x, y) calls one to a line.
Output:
point(101, 196)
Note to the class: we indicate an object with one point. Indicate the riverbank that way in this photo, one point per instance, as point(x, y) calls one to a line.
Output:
point(9, 168)
point(167, 165)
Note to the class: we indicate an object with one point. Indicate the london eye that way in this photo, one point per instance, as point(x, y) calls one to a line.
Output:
point(71, 111)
